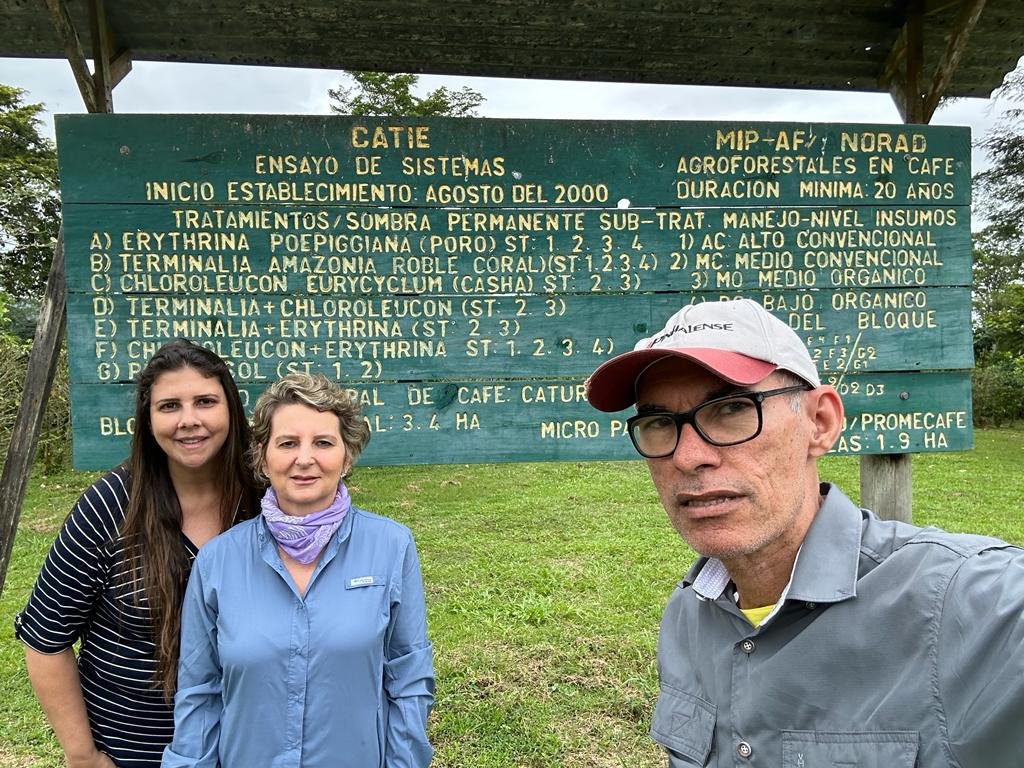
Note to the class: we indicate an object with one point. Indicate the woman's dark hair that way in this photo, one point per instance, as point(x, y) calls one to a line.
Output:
point(151, 531)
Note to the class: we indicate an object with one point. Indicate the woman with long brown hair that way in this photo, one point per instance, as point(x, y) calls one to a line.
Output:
point(115, 576)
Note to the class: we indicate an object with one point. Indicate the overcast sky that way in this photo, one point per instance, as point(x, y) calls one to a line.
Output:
point(199, 88)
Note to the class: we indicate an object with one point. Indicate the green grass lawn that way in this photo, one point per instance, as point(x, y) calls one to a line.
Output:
point(545, 584)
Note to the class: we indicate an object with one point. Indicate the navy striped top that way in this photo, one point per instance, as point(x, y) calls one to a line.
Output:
point(80, 594)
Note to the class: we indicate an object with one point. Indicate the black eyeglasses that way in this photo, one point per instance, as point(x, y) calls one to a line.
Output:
point(728, 420)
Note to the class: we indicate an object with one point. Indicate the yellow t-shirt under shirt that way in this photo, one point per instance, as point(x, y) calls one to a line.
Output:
point(756, 615)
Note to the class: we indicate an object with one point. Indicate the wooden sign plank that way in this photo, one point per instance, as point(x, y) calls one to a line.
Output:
point(167, 249)
point(549, 419)
point(435, 337)
point(282, 160)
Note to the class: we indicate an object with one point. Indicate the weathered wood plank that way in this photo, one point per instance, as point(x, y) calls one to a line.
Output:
point(965, 22)
point(572, 250)
point(527, 164)
point(516, 336)
point(549, 419)
point(804, 45)
point(65, 27)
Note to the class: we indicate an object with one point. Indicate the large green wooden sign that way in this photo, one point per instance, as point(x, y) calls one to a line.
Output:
point(464, 276)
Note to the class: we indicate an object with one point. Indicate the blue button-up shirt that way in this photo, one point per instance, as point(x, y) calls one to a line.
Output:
point(341, 677)
point(892, 647)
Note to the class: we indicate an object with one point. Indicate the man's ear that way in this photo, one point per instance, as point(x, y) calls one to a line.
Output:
point(825, 408)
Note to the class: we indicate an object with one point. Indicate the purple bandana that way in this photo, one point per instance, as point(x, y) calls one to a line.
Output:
point(302, 537)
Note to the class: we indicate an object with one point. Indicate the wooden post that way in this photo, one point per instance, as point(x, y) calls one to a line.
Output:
point(101, 55)
point(885, 485)
point(73, 49)
point(42, 363)
point(885, 481)
point(914, 108)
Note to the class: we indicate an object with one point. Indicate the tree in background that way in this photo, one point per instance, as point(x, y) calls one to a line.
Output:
point(29, 220)
point(1005, 321)
point(384, 93)
point(998, 291)
point(997, 263)
point(999, 199)
point(1000, 190)
point(29, 201)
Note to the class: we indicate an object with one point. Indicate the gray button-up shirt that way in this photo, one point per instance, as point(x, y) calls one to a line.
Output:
point(892, 647)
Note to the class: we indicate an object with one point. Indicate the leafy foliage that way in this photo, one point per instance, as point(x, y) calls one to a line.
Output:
point(1004, 323)
point(53, 451)
point(29, 203)
point(385, 93)
point(996, 265)
point(999, 191)
point(12, 374)
point(997, 297)
point(29, 220)
point(998, 390)
point(998, 291)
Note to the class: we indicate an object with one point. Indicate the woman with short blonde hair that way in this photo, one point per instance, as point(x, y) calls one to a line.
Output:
point(306, 627)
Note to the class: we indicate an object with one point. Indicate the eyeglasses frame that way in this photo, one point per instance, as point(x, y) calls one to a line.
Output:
point(688, 417)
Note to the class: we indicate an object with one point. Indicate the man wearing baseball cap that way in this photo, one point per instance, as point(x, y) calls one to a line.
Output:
point(809, 633)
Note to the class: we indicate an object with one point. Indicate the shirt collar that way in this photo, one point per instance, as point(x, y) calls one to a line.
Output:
point(826, 566)
point(268, 547)
point(826, 571)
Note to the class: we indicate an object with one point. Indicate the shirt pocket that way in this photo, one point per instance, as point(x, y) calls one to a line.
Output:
point(368, 595)
point(866, 749)
point(684, 724)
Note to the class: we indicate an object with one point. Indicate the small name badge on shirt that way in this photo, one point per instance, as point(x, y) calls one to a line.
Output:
point(362, 581)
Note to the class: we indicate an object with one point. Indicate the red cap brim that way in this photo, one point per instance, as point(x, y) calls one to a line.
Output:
point(612, 386)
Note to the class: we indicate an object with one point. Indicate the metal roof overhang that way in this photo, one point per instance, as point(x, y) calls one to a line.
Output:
point(964, 46)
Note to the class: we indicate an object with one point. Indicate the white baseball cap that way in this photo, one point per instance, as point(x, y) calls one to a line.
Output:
point(737, 340)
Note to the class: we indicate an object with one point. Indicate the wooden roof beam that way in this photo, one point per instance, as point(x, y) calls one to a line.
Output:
point(902, 69)
point(970, 12)
point(73, 50)
point(111, 66)
point(914, 59)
